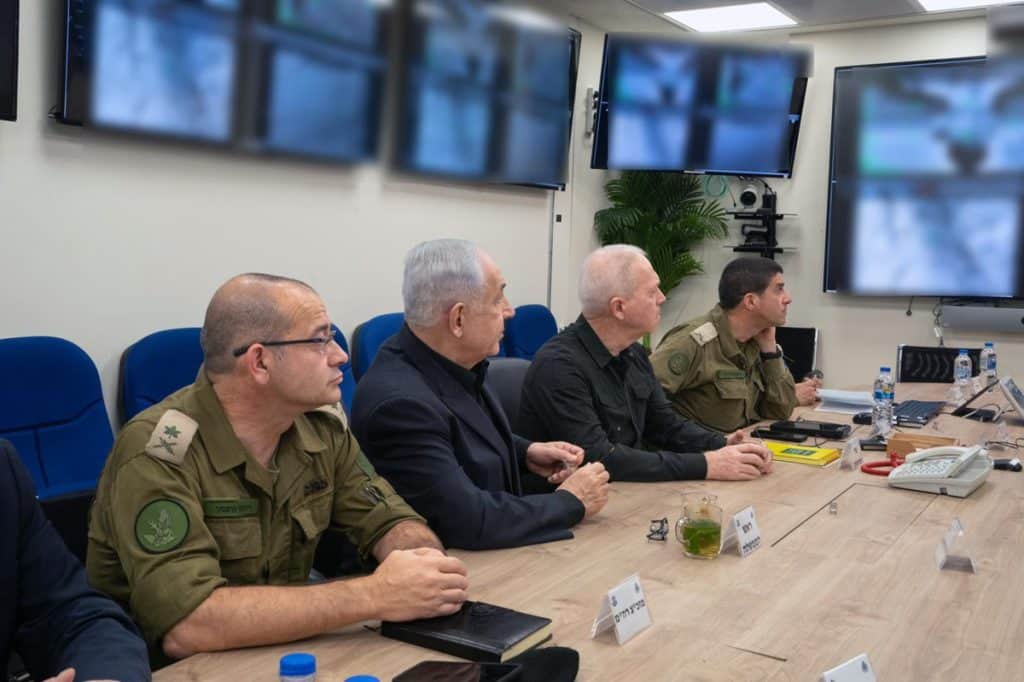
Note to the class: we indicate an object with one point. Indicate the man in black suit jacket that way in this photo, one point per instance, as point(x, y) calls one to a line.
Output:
point(433, 429)
point(48, 613)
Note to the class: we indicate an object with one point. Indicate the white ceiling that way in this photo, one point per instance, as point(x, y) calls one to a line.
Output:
point(646, 15)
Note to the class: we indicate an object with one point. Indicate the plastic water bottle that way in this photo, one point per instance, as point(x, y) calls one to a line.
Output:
point(881, 412)
point(987, 364)
point(961, 374)
point(298, 668)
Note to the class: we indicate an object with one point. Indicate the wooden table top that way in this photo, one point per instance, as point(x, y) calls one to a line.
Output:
point(821, 589)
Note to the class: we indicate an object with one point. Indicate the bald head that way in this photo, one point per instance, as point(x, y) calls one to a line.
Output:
point(246, 309)
point(608, 272)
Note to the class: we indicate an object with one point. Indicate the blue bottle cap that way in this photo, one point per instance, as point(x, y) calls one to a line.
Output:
point(361, 678)
point(989, 344)
point(298, 664)
point(963, 351)
point(884, 369)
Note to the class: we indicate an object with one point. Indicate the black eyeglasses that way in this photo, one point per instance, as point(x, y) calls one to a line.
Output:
point(321, 341)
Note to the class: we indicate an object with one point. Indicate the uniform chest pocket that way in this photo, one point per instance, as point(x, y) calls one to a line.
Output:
point(730, 388)
point(313, 515)
point(237, 538)
point(641, 390)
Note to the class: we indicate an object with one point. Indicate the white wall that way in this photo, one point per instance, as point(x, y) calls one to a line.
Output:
point(857, 334)
point(106, 240)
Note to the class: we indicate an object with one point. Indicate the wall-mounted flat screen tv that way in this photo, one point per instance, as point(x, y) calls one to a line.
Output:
point(269, 76)
point(926, 191)
point(485, 93)
point(667, 104)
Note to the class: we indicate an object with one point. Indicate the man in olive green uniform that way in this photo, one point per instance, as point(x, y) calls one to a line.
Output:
point(213, 501)
point(724, 369)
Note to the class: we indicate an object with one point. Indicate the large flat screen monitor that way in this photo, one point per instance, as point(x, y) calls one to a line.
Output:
point(485, 93)
point(8, 59)
point(926, 191)
point(275, 77)
point(685, 105)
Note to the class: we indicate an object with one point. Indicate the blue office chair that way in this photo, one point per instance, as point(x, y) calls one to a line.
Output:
point(52, 410)
point(370, 336)
point(525, 333)
point(156, 366)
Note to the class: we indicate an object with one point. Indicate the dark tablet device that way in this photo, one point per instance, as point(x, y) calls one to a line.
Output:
point(771, 434)
point(459, 671)
point(826, 430)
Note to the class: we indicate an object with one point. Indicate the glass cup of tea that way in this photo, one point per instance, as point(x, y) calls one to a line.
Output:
point(699, 529)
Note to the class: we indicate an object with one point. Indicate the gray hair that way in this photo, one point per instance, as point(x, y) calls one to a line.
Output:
point(244, 310)
point(439, 274)
point(606, 273)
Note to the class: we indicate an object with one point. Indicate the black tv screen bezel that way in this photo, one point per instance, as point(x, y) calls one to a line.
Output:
point(599, 152)
point(245, 133)
point(829, 271)
point(9, 10)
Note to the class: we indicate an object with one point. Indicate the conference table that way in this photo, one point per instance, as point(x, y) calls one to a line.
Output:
point(829, 582)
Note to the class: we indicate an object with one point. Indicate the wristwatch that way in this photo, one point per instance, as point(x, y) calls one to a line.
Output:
point(773, 356)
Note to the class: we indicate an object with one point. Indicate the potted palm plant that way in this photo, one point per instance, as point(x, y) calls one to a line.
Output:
point(665, 214)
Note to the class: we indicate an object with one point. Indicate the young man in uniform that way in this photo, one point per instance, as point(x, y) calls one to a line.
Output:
point(724, 369)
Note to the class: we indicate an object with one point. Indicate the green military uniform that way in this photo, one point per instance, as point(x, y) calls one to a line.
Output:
point(182, 509)
point(710, 377)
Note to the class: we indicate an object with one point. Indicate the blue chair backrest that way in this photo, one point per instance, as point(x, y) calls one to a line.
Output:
point(52, 410)
point(159, 364)
point(370, 336)
point(156, 366)
point(531, 327)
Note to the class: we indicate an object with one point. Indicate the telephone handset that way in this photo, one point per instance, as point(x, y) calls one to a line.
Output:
point(946, 470)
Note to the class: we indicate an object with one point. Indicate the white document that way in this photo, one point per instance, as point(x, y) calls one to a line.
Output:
point(843, 402)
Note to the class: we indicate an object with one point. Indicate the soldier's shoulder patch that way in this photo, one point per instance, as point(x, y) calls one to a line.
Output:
point(172, 436)
point(678, 363)
point(334, 410)
point(161, 525)
point(704, 333)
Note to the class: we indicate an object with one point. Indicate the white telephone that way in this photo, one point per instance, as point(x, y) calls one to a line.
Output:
point(946, 470)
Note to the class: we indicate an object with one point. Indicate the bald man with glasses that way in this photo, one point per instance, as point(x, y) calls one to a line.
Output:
point(212, 502)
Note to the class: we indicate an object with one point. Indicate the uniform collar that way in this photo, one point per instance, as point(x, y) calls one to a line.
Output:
point(592, 342)
point(222, 445)
point(730, 347)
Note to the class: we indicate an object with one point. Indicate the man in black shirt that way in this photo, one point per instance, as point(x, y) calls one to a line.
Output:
point(593, 385)
point(438, 434)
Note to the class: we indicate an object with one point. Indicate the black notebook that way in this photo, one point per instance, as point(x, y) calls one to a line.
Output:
point(478, 632)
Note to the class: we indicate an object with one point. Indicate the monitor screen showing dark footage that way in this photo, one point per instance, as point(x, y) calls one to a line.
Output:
point(674, 105)
point(483, 89)
point(927, 180)
point(486, 93)
point(285, 77)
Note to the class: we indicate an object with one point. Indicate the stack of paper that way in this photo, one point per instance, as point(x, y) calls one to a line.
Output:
point(843, 402)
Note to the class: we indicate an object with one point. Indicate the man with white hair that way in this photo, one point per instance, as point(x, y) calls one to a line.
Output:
point(430, 425)
point(592, 384)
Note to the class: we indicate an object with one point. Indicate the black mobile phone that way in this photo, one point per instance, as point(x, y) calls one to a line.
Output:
point(459, 671)
point(778, 435)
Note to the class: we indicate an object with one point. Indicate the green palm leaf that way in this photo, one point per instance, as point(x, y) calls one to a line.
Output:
point(666, 215)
